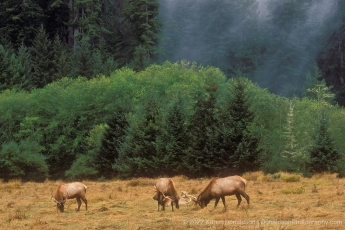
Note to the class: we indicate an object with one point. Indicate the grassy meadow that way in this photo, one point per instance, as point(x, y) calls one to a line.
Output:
point(279, 201)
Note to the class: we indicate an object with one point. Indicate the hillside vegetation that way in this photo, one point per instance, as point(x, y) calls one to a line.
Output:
point(169, 119)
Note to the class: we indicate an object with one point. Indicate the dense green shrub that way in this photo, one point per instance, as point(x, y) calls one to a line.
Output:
point(23, 160)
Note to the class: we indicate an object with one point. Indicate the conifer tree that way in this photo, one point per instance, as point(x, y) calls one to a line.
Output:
point(25, 68)
point(42, 60)
point(15, 68)
point(244, 151)
point(203, 133)
point(140, 61)
point(292, 153)
point(138, 153)
point(145, 25)
point(60, 60)
point(19, 20)
point(5, 62)
point(82, 64)
point(113, 138)
point(173, 142)
point(323, 155)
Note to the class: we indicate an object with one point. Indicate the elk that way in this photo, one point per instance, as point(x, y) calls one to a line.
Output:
point(221, 187)
point(166, 201)
point(185, 199)
point(73, 190)
point(166, 193)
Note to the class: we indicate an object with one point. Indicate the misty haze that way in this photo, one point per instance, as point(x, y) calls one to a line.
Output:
point(275, 43)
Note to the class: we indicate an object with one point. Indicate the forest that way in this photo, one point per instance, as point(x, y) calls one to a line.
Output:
point(101, 89)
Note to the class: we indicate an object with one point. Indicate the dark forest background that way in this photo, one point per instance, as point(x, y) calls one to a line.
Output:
point(121, 88)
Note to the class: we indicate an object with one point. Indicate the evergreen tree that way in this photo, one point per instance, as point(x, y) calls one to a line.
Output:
point(19, 20)
point(5, 62)
point(323, 155)
point(331, 63)
point(82, 64)
point(25, 67)
point(139, 151)
point(113, 138)
point(42, 60)
point(15, 68)
point(140, 61)
point(173, 143)
point(312, 79)
point(244, 151)
point(142, 14)
point(202, 157)
point(60, 59)
point(292, 156)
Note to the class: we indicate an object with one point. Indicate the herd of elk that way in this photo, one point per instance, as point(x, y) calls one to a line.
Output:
point(166, 193)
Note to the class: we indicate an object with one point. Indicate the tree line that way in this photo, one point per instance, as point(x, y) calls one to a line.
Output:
point(169, 119)
point(86, 91)
point(274, 43)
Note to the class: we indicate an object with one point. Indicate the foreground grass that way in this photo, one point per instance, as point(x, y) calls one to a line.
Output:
point(277, 202)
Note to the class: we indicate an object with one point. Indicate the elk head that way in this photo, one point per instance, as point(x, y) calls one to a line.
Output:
point(59, 204)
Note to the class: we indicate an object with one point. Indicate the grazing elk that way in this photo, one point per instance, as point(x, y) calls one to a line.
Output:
point(185, 199)
point(221, 187)
point(166, 201)
point(70, 191)
point(165, 191)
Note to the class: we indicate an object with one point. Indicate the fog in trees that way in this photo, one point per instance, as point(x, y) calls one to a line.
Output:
point(273, 42)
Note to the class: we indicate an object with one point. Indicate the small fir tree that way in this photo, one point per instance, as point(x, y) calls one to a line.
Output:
point(203, 154)
point(244, 151)
point(60, 60)
point(173, 142)
point(138, 152)
point(82, 61)
point(111, 143)
point(42, 60)
point(323, 155)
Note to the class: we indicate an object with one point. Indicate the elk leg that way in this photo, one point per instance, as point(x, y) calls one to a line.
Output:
point(172, 206)
point(245, 197)
point(239, 199)
point(79, 203)
point(223, 200)
point(217, 200)
point(163, 203)
point(159, 200)
point(85, 201)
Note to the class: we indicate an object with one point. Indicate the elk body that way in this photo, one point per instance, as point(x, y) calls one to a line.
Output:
point(166, 193)
point(75, 190)
point(221, 187)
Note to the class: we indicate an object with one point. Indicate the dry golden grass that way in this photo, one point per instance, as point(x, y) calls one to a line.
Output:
point(128, 204)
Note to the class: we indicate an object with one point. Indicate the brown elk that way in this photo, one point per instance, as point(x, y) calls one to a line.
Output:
point(221, 187)
point(165, 191)
point(185, 199)
point(73, 190)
